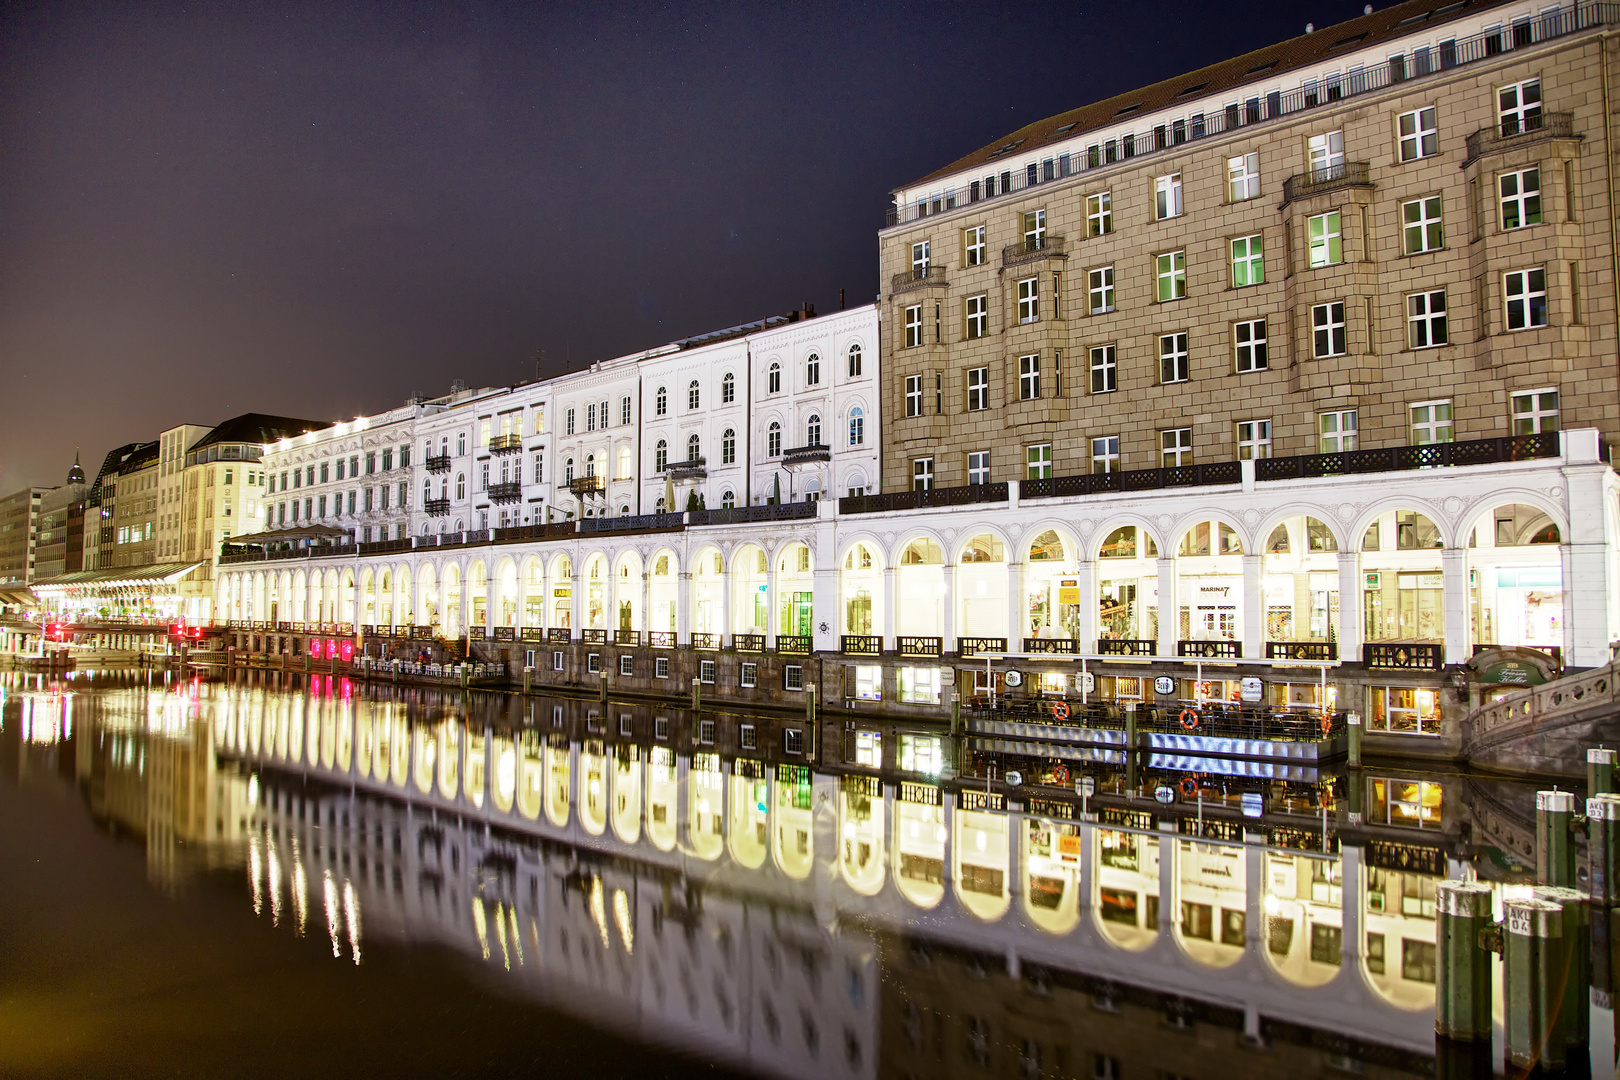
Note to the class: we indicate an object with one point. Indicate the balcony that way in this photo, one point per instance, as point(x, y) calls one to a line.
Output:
point(1127, 647)
point(1401, 458)
point(861, 645)
point(706, 642)
point(1401, 655)
point(557, 636)
point(690, 469)
point(627, 637)
point(793, 644)
point(1210, 650)
point(436, 463)
point(1032, 248)
point(593, 637)
point(589, 484)
point(627, 523)
point(919, 646)
point(915, 500)
point(1059, 646)
point(436, 507)
point(1302, 650)
point(507, 491)
point(922, 278)
point(506, 444)
point(661, 639)
point(1511, 135)
point(806, 455)
point(1346, 174)
point(980, 646)
point(744, 515)
point(752, 643)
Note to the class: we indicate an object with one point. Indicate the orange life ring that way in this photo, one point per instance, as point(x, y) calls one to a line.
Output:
point(1327, 725)
point(1061, 774)
point(1189, 719)
point(1060, 710)
point(1189, 787)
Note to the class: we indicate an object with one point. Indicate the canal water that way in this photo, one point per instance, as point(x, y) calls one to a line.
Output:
point(280, 875)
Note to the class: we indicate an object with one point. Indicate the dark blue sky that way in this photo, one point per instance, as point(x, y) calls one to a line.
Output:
point(316, 209)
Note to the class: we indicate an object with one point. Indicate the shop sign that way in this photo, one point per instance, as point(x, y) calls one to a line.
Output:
point(1164, 684)
point(1014, 678)
point(1251, 690)
point(1014, 778)
point(1513, 673)
point(1068, 591)
point(1086, 681)
point(1253, 805)
point(1165, 794)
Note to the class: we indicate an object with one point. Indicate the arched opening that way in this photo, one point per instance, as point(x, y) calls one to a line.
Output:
point(792, 845)
point(593, 787)
point(1398, 936)
point(860, 834)
point(1403, 594)
point(627, 792)
point(920, 579)
point(750, 590)
point(981, 863)
point(1051, 589)
point(1209, 583)
point(795, 590)
point(562, 593)
point(472, 768)
point(860, 590)
point(478, 595)
point(749, 829)
point(663, 591)
point(1052, 852)
point(1304, 913)
point(1212, 893)
point(662, 791)
point(708, 579)
point(557, 779)
point(627, 583)
point(531, 777)
point(706, 800)
point(919, 850)
point(981, 584)
point(504, 751)
point(1125, 888)
point(451, 618)
point(507, 591)
point(1128, 588)
point(449, 757)
point(533, 580)
point(427, 603)
point(596, 597)
point(1299, 572)
point(1516, 578)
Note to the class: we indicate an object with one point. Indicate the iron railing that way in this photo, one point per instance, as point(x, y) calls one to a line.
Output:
point(914, 500)
point(1059, 646)
point(589, 484)
point(1328, 178)
point(436, 463)
point(506, 444)
point(593, 637)
point(793, 644)
point(1403, 655)
point(661, 639)
point(861, 645)
point(631, 523)
point(748, 642)
point(1401, 458)
point(627, 637)
point(1127, 647)
point(558, 636)
point(706, 642)
point(744, 515)
point(1031, 248)
point(1302, 650)
point(919, 646)
point(980, 646)
point(805, 455)
point(907, 280)
point(1510, 134)
point(507, 491)
point(1211, 650)
point(436, 507)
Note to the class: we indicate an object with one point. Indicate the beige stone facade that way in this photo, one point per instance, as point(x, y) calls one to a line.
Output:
point(1372, 272)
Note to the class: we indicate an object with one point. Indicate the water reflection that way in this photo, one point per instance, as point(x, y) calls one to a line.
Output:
point(743, 906)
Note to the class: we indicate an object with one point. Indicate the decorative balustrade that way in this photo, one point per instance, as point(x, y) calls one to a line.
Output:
point(919, 646)
point(1127, 647)
point(593, 637)
point(1402, 655)
point(980, 646)
point(627, 637)
point(558, 636)
point(1061, 646)
point(1302, 650)
point(661, 639)
point(706, 642)
point(751, 643)
point(793, 644)
point(861, 645)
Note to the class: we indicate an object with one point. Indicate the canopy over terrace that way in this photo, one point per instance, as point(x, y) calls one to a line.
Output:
point(17, 598)
point(302, 536)
point(151, 592)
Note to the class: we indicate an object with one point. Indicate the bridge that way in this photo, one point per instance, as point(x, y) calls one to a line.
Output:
point(1546, 729)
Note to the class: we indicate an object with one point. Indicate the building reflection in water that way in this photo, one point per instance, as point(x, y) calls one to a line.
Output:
point(792, 920)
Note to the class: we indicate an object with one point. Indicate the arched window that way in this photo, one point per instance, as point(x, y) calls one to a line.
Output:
point(624, 463)
point(444, 446)
point(461, 444)
point(812, 370)
point(660, 508)
point(774, 380)
point(461, 485)
point(604, 416)
point(813, 431)
point(568, 471)
point(662, 404)
point(625, 509)
point(590, 464)
point(692, 396)
point(568, 424)
point(444, 488)
point(728, 500)
point(854, 361)
point(427, 490)
point(590, 418)
point(728, 389)
point(661, 456)
point(773, 440)
point(857, 427)
point(693, 448)
point(728, 447)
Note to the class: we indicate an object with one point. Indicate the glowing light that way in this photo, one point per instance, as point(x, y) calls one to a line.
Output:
point(599, 910)
point(255, 869)
point(621, 917)
point(253, 790)
point(517, 938)
point(300, 892)
point(500, 935)
point(351, 918)
point(480, 925)
point(329, 900)
point(275, 886)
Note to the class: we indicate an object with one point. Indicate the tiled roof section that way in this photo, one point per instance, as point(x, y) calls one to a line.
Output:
point(257, 428)
point(1307, 50)
point(109, 465)
point(140, 458)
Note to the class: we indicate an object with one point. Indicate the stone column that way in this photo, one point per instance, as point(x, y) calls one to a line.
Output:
point(683, 608)
point(890, 599)
point(1086, 624)
point(772, 603)
point(1254, 608)
point(1350, 629)
point(1017, 607)
point(644, 613)
point(824, 608)
point(947, 628)
point(1169, 606)
point(1454, 578)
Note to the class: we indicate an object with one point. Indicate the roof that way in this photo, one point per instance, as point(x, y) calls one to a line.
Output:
point(287, 536)
point(257, 428)
point(1307, 50)
point(119, 575)
point(143, 455)
point(109, 464)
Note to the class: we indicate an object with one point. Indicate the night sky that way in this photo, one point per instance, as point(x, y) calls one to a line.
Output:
point(316, 210)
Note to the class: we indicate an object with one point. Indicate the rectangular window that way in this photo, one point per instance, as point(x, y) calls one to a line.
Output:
point(706, 670)
point(624, 410)
point(978, 389)
point(1426, 319)
point(1420, 222)
point(922, 474)
point(1035, 230)
point(1525, 294)
point(1327, 245)
point(913, 395)
point(705, 732)
point(1248, 263)
point(1521, 198)
point(1099, 214)
point(1038, 461)
point(1326, 155)
point(1105, 454)
point(750, 674)
point(920, 686)
point(1253, 439)
point(1407, 710)
point(593, 663)
point(1431, 422)
point(1101, 290)
point(1249, 344)
point(1327, 321)
point(975, 316)
point(973, 246)
point(1172, 274)
point(660, 727)
point(919, 260)
point(914, 329)
point(1535, 412)
point(1336, 431)
point(793, 679)
point(539, 466)
point(1419, 134)
point(627, 665)
point(1518, 107)
point(978, 467)
point(1173, 365)
point(1104, 371)
point(661, 667)
point(1175, 447)
point(568, 425)
point(1242, 177)
point(748, 736)
point(1029, 300)
point(1167, 196)
point(556, 661)
point(1029, 377)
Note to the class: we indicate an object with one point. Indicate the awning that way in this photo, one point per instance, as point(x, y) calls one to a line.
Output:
point(155, 574)
point(290, 536)
point(21, 595)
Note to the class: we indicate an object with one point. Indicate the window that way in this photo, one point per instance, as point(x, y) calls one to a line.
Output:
point(857, 427)
point(590, 418)
point(1173, 365)
point(973, 246)
point(483, 482)
point(1099, 214)
point(1172, 273)
point(922, 474)
point(1248, 263)
point(750, 677)
point(1421, 230)
point(1104, 371)
point(913, 395)
point(660, 404)
point(1035, 230)
point(1242, 177)
point(1326, 154)
point(773, 379)
point(1038, 461)
point(661, 456)
point(1328, 323)
point(773, 440)
point(593, 663)
point(1029, 301)
point(1535, 412)
point(568, 422)
point(1175, 447)
point(1336, 431)
point(975, 316)
point(728, 447)
point(1408, 710)
point(1327, 245)
point(1167, 196)
point(1029, 377)
point(1418, 131)
point(919, 260)
point(556, 661)
point(1105, 454)
point(919, 686)
point(978, 389)
point(1525, 294)
point(661, 667)
point(694, 448)
point(812, 370)
point(914, 326)
point(812, 431)
point(1431, 422)
point(1249, 343)
point(1521, 198)
point(706, 671)
point(1253, 439)
point(693, 395)
point(854, 361)
point(978, 467)
point(1101, 290)
point(748, 736)
point(539, 466)
point(1426, 319)
point(627, 665)
point(461, 485)
point(1518, 107)
point(728, 499)
point(624, 410)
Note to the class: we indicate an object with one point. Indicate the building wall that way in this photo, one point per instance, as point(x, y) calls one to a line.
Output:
point(172, 511)
point(135, 519)
point(19, 523)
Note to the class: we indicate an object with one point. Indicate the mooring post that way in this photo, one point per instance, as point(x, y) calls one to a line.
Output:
point(1603, 848)
point(1599, 771)
point(1130, 746)
point(697, 694)
point(602, 693)
point(1352, 727)
point(528, 679)
point(1534, 974)
point(1462, 999)
point(1555, 854)
point(1575, 1017)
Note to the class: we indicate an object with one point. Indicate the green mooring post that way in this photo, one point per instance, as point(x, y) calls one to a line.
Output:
point(1599, 771)
point(1576, 1019)
point(1462, 998)
point(1534, 974)
point(697, 694)
point(1603, 848)
point(1555, 854)
point(1352, 728)
point(528, 679)
point(810, 705)
point(1130, 746)
point(602, 696)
